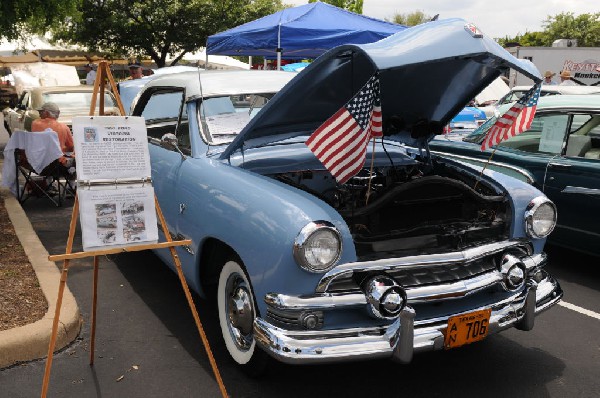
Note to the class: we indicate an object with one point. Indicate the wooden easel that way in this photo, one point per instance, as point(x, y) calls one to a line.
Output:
point(102, 76)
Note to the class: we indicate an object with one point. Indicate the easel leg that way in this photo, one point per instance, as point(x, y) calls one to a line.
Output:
point(190, 301)
point(94, 301)
point(61, 290)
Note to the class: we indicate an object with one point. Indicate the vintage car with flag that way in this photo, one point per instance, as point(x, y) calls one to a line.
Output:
point(559, 153)
point(321, 225)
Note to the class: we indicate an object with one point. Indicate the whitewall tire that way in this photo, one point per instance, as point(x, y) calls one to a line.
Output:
point(237, 311)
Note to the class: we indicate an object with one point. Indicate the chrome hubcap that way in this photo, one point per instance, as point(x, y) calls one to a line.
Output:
point(240, 312)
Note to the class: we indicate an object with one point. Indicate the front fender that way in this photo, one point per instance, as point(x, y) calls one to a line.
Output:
point(518, 192)
point(258, 217)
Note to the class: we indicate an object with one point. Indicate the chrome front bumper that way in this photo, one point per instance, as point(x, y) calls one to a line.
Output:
point(400, 339)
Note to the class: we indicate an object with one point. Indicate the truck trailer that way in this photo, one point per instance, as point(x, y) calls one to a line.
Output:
point(582, 62)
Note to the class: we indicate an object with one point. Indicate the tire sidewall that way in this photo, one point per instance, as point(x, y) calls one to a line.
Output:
point(231, 268)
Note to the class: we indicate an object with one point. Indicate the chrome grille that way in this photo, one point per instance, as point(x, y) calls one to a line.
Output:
point(418, 276)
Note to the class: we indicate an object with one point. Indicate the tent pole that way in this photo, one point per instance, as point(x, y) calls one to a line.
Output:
point(279, 59)
point(250, 61)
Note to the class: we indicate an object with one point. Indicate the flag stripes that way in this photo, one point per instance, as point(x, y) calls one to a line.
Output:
point(516, 120)
point(340, 143)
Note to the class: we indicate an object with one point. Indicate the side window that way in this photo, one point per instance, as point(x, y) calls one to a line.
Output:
point(546, 135)
point(162, 112)
point(584, 137)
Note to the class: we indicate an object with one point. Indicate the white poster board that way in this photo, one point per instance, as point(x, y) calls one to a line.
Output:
point(121, 216)
point(553, 134)
point(117, 207)
point(111, 147)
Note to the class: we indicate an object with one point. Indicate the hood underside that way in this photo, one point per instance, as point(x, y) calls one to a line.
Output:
point(427, 74)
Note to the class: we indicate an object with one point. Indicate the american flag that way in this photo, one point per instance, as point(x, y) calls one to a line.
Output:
point(341, 142)
point(516, 120)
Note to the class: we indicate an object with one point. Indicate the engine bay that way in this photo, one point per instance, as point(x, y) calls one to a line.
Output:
point(422, 208)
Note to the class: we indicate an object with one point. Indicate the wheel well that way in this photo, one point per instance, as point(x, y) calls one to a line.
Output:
point(214, 255)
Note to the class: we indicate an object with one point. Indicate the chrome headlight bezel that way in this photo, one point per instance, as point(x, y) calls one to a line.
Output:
point(304, 239)
point(540, 202)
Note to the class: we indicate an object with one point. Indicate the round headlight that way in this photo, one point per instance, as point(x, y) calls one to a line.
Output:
point(540, 217)
point(318, 247)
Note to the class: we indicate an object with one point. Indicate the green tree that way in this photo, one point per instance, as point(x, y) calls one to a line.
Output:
point(22, 17)
point(160, 29)
point(355, 6)
point(528, 39)
point(585, 28)
point(409, 19)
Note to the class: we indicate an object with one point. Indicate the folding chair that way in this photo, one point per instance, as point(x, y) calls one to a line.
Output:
point(54, 182)
point(36, 161)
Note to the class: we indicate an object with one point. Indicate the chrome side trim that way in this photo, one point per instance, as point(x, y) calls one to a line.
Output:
point(525, 173)
point(581, 190)
point(415, 261)
point(187, 248)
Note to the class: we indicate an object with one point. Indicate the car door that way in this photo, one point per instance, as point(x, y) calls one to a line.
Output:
point(573, 183)
point(162, 108)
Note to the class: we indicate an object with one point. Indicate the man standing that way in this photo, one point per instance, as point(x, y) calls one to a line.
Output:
point(548, 78)
point(135, 71)
point(90, 76)
point(565, 79)
point(49, 112)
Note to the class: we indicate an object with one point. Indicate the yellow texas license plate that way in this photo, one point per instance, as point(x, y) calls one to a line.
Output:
point(467, 328)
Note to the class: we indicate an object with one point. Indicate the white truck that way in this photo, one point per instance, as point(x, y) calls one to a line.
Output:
point(582, 62)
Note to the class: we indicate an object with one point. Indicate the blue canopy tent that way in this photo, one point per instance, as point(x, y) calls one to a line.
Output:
point(305, 31)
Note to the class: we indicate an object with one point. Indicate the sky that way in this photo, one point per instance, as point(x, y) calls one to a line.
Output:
point(495, 18)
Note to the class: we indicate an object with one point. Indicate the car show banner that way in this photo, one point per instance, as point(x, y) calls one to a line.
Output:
point(117, 206)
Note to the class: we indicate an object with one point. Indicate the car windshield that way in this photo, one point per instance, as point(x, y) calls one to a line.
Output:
point(477, 135)
point(76, 100)
point(224, 117)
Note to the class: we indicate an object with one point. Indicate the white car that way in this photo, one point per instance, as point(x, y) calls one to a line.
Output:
point(72, 101)
point(517, 92)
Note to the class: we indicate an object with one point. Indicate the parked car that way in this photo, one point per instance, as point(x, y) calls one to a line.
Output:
point(559, 154)
point(408, 257)
point(518, 91)
point(72, 101)
point(467, 120)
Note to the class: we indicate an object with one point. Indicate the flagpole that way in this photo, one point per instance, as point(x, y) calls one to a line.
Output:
point(371, 172)
point(485, 166)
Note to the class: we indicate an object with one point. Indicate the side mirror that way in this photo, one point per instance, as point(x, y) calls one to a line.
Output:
point(169, 141)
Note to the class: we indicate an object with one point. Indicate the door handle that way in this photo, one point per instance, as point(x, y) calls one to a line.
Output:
point(559, 165)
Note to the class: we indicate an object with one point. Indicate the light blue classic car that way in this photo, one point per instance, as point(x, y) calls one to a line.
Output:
point(412, 255)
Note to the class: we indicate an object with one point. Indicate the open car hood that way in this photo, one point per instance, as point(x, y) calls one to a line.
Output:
point(427, 73)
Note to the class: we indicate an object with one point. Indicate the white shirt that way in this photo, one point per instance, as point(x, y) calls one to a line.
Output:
point(90, 78)
point(568, 82)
